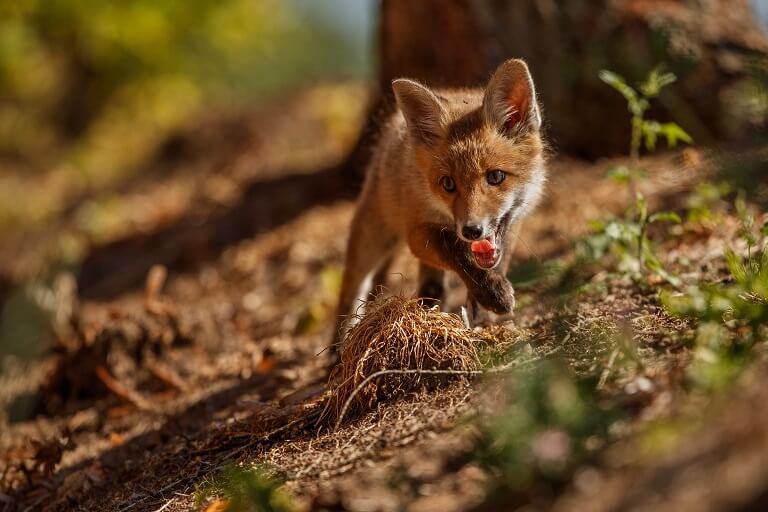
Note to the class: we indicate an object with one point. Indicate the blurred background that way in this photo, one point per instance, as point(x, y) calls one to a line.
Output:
point(90, 91)
point(116, 117)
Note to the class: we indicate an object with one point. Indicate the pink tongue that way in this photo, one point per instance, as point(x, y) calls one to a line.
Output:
point(482, 246)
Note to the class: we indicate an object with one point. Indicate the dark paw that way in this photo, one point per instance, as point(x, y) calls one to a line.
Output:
point(495, 293)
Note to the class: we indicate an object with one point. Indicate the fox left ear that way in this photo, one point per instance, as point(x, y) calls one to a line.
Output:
point(509, 103)
point(423, 112)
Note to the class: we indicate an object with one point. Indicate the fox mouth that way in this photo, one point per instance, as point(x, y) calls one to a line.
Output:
point(488, 251)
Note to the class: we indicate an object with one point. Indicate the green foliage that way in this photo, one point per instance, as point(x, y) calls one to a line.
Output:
point(706, 200)
point(731, 317)
point(91, 91)
point(638, 102)
point(247, 490)
point(69, 68)
point(673, 133)
point(627, 239)
point(543, 431)
point(314, 314)
point(621, 174)
point(533, 273)
point(655, 82)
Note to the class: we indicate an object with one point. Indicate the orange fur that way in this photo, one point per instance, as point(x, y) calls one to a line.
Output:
point(462, 134)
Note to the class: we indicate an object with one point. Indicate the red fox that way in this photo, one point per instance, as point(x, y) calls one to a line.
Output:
point(451, 177)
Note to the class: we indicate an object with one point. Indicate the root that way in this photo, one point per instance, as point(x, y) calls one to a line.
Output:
point(410, 347)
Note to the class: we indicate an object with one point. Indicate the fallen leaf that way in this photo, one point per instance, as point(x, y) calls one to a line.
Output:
point(218, 506)
point(116, 439)
point(265, 366)
point(48, 454)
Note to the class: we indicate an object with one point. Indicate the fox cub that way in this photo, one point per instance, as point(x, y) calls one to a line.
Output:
point(451, 177)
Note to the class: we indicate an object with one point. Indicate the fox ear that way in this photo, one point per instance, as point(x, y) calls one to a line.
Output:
point(423, 113)
point(509, 103)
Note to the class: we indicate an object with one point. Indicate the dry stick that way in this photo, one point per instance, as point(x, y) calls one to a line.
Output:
point(127, 394)
point(607, 370)
point(153, 287)
point(161, 491)
point(166, 374)
point(379, 373)
point(166, 505)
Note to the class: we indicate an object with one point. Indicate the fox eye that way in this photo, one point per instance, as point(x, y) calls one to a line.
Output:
point(448, 184)
point(495, 176)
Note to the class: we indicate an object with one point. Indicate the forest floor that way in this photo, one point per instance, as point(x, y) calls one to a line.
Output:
point(194, 341)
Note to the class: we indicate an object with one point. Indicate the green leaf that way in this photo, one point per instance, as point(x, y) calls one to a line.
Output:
point(655, 82)
point(642, 207)
point(654, 265)
point(665, 217)
point(636, 104)
point(617, 82)
point(619, 173)
point(673, 132)
point(621, 231)
point(638, 107)
point(736, 267)
point(597, 225)
point(650, 133)
point(614, 231)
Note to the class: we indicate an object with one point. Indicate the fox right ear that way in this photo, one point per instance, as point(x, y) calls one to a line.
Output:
point(510, 99)
point(423, 113)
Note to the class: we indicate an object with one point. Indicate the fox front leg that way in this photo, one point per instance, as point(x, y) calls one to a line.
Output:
point(442, 248)
point(489, 288)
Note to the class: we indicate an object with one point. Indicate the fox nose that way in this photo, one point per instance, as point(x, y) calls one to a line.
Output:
point(472, 231)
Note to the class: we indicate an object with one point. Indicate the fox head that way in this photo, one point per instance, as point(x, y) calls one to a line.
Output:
point(481, 153)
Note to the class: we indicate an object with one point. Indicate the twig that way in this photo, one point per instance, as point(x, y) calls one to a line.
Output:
point(641, 244)
point(166, 374)
point(607, 370)
point(153, 287)
point(379, 373)
point(166, 505)
point(127, 394)
point(161, 491)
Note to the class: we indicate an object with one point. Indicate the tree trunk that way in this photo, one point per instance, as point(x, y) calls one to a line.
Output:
point(709, 44)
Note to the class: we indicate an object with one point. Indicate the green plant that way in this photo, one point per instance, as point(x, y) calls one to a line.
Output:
point(543, 431)
point(247, 490)
point(707, 201)
point(648, 130)
point(731, 316)
point(629, 236)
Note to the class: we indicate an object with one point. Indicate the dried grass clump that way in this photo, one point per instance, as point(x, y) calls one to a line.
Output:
point(421, 347)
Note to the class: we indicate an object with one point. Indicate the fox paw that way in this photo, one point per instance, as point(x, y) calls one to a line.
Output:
point(495, 293)
point(474, 315)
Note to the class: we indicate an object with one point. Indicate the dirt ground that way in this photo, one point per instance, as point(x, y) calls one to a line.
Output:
point(198, 342)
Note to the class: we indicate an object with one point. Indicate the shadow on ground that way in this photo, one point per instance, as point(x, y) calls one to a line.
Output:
point(264, 205)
